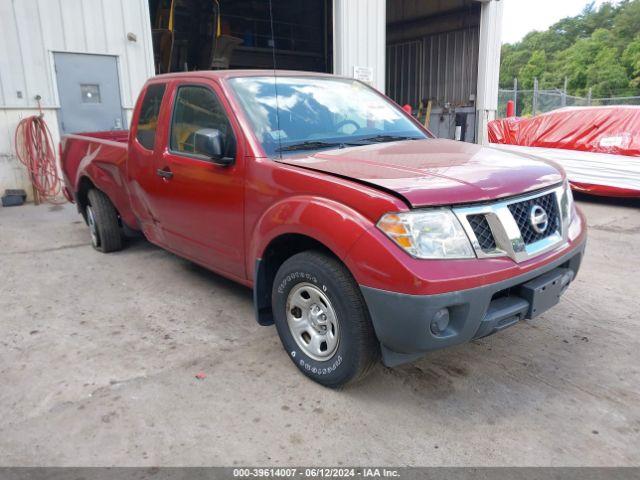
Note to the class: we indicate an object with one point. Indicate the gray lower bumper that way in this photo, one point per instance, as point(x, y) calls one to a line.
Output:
point(402, 322)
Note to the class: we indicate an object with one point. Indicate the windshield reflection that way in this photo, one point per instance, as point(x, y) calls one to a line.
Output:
point(312, 113)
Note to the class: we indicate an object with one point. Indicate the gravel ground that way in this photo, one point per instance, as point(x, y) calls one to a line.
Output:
point(98, 357)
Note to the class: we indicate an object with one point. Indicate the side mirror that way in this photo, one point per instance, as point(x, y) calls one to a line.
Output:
point(210, 142)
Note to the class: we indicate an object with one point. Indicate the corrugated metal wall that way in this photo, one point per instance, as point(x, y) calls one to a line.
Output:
point(441, 67)
point(400, 10)
point(360, 38)
point(30, 30)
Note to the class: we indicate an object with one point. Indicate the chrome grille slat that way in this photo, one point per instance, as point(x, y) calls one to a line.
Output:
point(520, 212)
point(503, 228)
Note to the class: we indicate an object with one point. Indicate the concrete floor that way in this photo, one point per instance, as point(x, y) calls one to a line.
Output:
point(98, 357)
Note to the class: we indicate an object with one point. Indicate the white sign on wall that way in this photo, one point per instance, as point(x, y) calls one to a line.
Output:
point(364, 74)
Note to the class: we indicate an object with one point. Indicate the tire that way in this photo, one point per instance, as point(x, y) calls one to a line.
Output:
point(335, 350)
point(102, 219)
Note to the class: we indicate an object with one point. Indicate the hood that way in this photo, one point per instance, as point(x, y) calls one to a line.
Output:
point(436, 172)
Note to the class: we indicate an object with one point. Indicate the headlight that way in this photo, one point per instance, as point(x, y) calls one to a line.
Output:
point(428, 234)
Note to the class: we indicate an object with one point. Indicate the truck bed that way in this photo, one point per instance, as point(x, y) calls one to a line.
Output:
point(101, 155)
point(121, 136)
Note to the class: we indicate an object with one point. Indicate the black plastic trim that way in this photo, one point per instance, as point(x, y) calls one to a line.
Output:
point(402, 321)
point(261, 294)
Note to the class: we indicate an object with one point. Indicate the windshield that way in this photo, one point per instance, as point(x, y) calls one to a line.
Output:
point(314, 113)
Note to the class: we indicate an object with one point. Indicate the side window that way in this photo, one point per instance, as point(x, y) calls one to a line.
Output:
point(197, 109)
point(149, 111)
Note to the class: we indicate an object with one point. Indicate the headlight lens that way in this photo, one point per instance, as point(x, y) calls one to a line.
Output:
point(428, 234)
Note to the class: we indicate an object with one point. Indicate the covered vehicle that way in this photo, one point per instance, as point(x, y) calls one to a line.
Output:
point(597, 146)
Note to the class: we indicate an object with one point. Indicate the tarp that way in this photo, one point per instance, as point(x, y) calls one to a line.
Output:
point(596, 173)
point(610, 131)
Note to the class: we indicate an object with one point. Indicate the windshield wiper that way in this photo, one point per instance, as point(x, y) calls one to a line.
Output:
point(387, 138)
point(318, 144)
point(314, 145)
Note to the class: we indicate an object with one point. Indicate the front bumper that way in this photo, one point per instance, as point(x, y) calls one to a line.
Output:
point(403, 322)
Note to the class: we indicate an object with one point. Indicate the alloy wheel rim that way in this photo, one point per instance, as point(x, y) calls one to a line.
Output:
point(313, 322)
point(93, 229)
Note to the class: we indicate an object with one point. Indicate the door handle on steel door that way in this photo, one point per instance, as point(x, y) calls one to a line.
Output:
point(165, 173)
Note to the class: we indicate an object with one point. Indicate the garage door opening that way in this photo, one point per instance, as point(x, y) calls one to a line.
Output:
point(432, 62)
point(209, 35)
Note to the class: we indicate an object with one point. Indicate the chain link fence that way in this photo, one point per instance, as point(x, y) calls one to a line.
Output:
point(533, 102)
point(616, 101)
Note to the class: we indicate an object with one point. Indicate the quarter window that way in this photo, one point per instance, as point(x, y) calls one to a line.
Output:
point(198, 108)
point(149, 111)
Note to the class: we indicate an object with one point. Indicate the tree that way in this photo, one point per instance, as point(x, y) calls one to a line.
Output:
point(607, 76)
point(511, 64)
point(599, 49)
point(577, 61)
point(627, 22)
point(535, 68)
point(631, 60)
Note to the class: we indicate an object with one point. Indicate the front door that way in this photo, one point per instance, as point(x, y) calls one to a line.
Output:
point(200, 204)
point(89, 92)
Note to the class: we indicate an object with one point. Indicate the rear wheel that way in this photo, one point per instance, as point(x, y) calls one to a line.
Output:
point(102, 219)
point(322, 320)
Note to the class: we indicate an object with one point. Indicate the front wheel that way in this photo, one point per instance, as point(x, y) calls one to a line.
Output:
point(322, 320)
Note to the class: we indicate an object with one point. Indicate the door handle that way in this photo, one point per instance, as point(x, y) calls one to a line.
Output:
point(165, 173)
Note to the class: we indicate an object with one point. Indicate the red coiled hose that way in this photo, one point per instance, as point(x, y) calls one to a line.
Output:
point(34, 147)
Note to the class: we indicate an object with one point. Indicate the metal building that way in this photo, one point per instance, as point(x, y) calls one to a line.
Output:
point(39, 36)
point(445, 55)
point(83, 61)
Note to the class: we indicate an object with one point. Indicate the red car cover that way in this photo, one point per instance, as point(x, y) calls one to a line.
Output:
point(611, 130)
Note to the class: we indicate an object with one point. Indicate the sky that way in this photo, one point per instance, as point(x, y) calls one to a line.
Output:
point(522, 16)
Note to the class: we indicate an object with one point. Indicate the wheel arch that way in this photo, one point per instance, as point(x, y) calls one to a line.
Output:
point(294, 226)
point(85, 184)
point(277, 252)
point(82, 194)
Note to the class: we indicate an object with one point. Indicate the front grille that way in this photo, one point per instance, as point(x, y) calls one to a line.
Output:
point(483, 232)
point(521, 212)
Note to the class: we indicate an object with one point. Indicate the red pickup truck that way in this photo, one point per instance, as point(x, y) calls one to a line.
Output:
point(361, 235)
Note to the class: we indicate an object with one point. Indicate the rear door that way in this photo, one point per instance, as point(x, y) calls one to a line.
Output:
point(89, 93)
point(201, 204)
